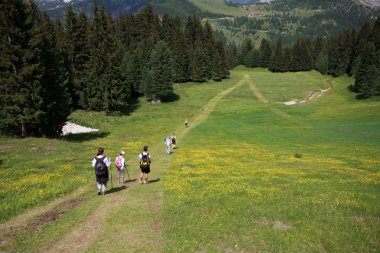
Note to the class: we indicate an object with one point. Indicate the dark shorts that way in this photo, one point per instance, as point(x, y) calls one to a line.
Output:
point(145, 170)
point(102, 179)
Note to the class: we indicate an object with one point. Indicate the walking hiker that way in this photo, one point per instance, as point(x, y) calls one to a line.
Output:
point(120, 165)
point(145, 161)
point(168, 143)
point(174, 141)
point(101, 164)
point(186, 123)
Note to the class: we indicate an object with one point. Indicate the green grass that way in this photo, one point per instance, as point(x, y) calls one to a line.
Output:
point(239, 187)
point(251, 177)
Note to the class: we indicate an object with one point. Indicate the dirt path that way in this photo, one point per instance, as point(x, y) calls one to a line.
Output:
point(209, 107)
point(81, 237)
point(256, 92)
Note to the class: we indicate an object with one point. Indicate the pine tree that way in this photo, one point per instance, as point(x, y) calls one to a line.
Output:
point(198, 64)
point(245, 48)
point(173, 35)
point(276, 64)
point(56, 105)
point(105, 89)
point(367, 79)
point(34, 99)
point(266, 53)
point(15, 27)
point(158, 78)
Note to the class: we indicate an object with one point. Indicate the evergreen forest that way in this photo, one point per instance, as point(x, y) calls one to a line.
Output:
point(49, 68)
point(354, 52)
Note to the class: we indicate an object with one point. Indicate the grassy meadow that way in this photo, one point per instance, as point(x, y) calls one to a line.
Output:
point(249, 175)
point(264, 177)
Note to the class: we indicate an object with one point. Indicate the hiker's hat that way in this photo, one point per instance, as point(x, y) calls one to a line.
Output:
point(122, 153)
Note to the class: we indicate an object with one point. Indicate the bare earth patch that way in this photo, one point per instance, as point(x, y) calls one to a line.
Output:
point(38, 221)
point(313, 95)
point(279, 225)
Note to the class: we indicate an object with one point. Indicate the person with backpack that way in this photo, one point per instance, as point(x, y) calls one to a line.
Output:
point(168, 143)
point(174, 141)
point(101, 164)
point(145, 161)
point(120, 164)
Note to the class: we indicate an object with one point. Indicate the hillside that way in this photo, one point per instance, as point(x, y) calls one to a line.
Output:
point(249, 175)
point(289, 19)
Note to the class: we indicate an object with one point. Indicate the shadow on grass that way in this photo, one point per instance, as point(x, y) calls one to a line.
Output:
point(362, 96)
point(116, 189)
point(172, 97)
point(133, 104)
point(130, 180)
point(84, 136)
point(154, 181)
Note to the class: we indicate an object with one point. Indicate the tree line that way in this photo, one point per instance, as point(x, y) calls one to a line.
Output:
point(49, 68)
point(354, 52)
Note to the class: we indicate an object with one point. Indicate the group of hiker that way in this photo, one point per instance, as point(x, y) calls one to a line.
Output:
point(101, 163)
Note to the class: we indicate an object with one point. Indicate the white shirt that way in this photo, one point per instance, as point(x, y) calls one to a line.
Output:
point(106, 161)
point(168, 142)
point(145, 153)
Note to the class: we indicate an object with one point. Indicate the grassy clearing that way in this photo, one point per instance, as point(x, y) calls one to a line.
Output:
point(238, 187)
point(37, 170)
point(235, 183)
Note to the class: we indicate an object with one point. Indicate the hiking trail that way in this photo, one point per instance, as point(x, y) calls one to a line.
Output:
point(146, 235)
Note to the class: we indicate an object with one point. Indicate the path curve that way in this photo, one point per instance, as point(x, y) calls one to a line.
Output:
point(256, 92)
point(79, 239)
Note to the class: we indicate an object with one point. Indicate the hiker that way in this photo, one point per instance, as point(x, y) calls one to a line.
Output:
point(174, 141)
point(186, 123)
point(120, 164)
point(145, 161)
point(168, 143)
point(101, 164)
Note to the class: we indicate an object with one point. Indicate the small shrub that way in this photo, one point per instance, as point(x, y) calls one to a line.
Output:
point(298, 155)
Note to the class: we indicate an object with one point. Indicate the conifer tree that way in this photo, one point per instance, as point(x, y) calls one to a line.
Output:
point(56, 99)
point(34, 99)
point(266, 53)
point(245, 48)
point(276, 64)
point(158, 78)
point(15, 29)
point(367, 80)
point(105, 89)
point(173, 34)
point(198, 63)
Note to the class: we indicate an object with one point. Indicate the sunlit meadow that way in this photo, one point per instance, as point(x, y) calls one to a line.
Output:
point(251, 179)
point(254, 176)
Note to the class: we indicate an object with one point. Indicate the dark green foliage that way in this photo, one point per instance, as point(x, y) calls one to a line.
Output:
point(158, 76)
point(367, 81)
point(355, 53)
point(105, 89)
point(266, 53)
point(33, 100)
point(276, 63)
point(48, 68)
